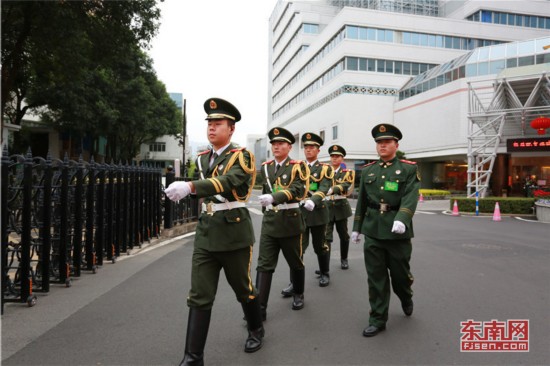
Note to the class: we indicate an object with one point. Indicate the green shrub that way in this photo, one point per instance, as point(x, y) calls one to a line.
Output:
point(507, 205)
point(434, 192)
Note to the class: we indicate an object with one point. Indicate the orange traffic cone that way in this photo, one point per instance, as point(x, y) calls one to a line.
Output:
point(496, 214)
point(421, 198)
point(455, 209)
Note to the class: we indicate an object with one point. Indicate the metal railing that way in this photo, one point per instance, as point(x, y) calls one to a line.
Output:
point(63, 217)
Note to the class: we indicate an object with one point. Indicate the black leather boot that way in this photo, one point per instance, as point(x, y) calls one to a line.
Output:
point(344, 249)
point(289, 290)
point(197, 331)
point(299, 277)
point(324, 259)
point(253, 315)
point(263, 285)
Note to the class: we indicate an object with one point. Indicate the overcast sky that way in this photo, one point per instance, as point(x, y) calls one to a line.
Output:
point(216, 48)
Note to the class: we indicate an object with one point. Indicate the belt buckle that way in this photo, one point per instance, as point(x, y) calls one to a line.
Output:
point(384, 207)
point(210, 208)
point(275, 209)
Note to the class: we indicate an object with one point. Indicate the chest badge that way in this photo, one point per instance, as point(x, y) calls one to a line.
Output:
point(284, 176)
point(314, 174)
point(220, 166)
point(398, 172)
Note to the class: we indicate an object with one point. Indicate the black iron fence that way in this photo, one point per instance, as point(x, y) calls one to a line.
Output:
point(63, 217)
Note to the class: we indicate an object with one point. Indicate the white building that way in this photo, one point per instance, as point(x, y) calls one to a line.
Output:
point(336, 68)
point(164, 151)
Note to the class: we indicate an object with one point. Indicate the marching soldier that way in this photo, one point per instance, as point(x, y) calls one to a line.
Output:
point(224, 235)
point(338, 205)
point(315, 209)
point(387, 200)
point(283, 225)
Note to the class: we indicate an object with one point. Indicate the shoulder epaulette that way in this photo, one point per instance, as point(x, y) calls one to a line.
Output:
point(204, 152)
point(295, 161)
point(238, 149)
point(346, 170)
point(369, 164)
point(267, 162)
point(407, 161)
point(327, 164)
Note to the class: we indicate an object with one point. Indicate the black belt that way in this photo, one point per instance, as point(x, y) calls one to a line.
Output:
point(384, 207)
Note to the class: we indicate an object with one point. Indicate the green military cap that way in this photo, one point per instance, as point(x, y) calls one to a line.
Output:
point(217, 108)
point(280, 134)
point(310, 138)
point(337, 150)
point(386, 131)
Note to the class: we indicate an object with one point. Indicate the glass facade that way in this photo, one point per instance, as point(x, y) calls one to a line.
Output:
point(481, 61)
point(513, 19)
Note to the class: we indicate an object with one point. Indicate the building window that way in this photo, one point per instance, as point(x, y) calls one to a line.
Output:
point(322, 134)
point(311, 28)
point(335, 132)
point(157, 147)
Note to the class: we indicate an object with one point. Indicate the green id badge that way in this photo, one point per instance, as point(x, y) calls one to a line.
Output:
point(391, 186)
point(277, 188)
point(313, 186)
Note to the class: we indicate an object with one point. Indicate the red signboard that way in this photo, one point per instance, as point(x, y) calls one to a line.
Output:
point(528, 144)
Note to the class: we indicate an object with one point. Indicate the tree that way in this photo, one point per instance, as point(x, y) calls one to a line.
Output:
point(70, 45)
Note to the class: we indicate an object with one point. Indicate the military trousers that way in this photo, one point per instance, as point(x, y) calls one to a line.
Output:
point(205, 273)
point(341, 229)
point(270, 247)
point(317, 239)
point(387, 261)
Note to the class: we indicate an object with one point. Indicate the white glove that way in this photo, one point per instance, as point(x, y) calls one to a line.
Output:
point(329, 191)
point(309, 205)
point(178, 190)
point(266, 199)
point(355, 237)
point(398, 227)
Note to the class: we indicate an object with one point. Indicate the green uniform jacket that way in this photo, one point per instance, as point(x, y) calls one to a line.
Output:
point(286, 186)
point(320, 182)
point(229, 229)
point(395, 183)
point(342, 183)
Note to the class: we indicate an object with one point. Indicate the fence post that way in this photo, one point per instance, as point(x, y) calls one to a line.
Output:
point(170, 177)
point(110, 237)
point(77, 227)
point(45, 231)
point(64, 267)
point(131, 206)
point(124, 210)
point(4, 217)
point(25, 275)
point(90, 205)
point(100, 223)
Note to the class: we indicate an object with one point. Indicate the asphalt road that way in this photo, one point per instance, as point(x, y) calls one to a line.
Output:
point(134, 312)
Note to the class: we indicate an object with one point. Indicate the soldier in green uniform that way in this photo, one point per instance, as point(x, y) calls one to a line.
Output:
point(314, 208)
point(338, 205)
point(283, 225)
point(388, 195)
point(224, 236)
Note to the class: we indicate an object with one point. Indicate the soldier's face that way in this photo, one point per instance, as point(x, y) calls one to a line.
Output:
point(219, 132)
point(336, 160)
point(280, 150)
point(311, 152)
point(387, 149)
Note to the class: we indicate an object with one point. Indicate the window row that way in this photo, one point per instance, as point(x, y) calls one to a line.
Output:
point(157, 146)
point(474, 69)
point(388, 66)
point(439, 41)
point(520, 20)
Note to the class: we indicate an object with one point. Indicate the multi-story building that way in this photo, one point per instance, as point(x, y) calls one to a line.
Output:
point(337, 68)
point(167, 149)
